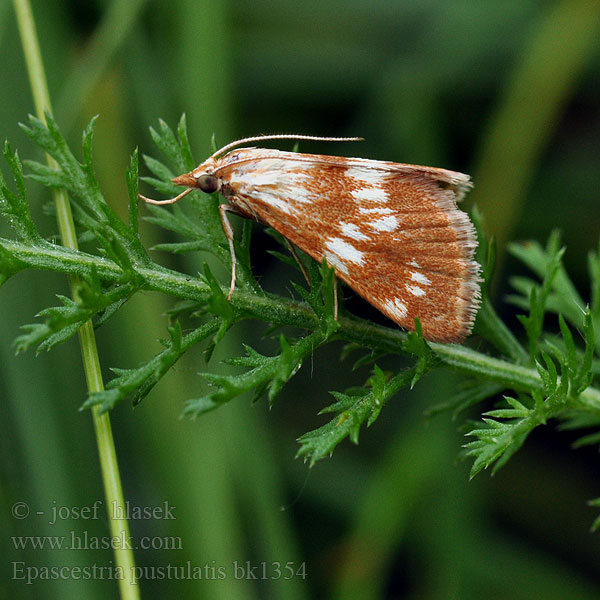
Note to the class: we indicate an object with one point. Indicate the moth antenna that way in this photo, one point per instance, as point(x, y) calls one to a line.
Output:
point(168, 200)
point(285, 136)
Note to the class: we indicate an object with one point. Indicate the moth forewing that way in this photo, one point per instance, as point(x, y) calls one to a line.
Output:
point(391, 231)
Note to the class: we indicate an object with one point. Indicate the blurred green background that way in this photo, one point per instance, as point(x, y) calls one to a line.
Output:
point(507, 90)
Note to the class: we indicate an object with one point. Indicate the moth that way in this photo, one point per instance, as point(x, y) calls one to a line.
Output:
point(391, 231)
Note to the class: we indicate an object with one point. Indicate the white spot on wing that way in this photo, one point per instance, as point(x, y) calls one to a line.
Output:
point(371, 181)
point(352, 230)
point(388, 223)
point(344, 251)
point(370, 176)
point(377, 210)
point(274, 184)
point(415, 290)
point(299, 187)
point(335, 262)
point(396, 308)
point(414, 263)
point(282, 204)
point(420, 278)
point(248, 176)
point(372, 193)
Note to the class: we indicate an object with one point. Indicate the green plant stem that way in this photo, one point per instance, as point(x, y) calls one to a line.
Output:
point(124, 558)
point(282, 311)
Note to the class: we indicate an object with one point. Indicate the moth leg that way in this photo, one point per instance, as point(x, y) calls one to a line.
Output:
point(228, 230)
point(297, 258)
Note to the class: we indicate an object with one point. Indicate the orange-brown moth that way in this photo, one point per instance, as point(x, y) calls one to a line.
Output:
point(391, 231)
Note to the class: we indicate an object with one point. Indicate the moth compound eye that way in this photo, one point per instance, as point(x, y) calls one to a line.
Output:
point(208, 183)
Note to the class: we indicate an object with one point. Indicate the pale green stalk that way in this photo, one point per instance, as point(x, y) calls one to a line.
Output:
point(124, 559)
